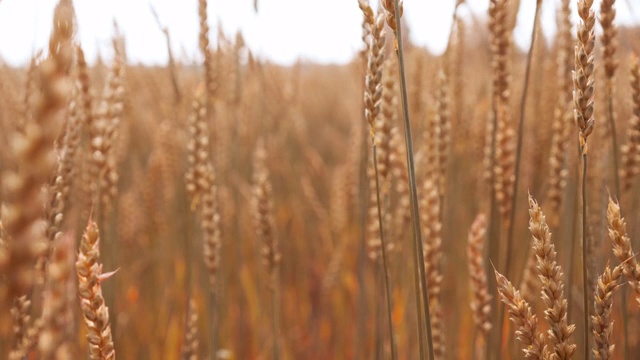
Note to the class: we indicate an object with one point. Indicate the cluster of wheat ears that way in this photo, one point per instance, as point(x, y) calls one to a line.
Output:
point(232, 208)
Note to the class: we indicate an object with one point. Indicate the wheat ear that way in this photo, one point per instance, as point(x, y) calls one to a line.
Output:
point(521, 315)
point(550, 275)
point(94, 309)
point(622, 245)
point(601, 321)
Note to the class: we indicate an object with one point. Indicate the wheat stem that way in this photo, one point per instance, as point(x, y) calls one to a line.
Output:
point(274, 315)
point(585, 295)
point(523, 108)
point(415, 211)
point(384, 256)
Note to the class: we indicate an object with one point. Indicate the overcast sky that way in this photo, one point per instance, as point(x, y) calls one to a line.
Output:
point(282, 30)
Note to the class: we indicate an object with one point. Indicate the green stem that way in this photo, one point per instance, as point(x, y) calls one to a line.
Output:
point(415, 211)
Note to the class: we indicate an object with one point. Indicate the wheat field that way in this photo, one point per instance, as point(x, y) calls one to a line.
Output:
point(476, 204)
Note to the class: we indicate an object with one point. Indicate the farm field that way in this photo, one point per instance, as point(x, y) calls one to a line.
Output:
point(475, 204)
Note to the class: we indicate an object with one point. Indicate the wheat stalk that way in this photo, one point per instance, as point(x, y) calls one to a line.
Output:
point(394, 11)
point(583, 91)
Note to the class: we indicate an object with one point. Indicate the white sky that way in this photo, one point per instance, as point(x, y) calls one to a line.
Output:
point(282, 30)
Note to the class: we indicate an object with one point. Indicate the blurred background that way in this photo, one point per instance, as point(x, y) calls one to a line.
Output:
point(281, 30)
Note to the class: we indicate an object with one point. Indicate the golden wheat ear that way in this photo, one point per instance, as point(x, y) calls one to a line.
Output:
point(550, 274)
point(601, 321)
point(521, 315)
point(92, 304)
point(621, 245)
